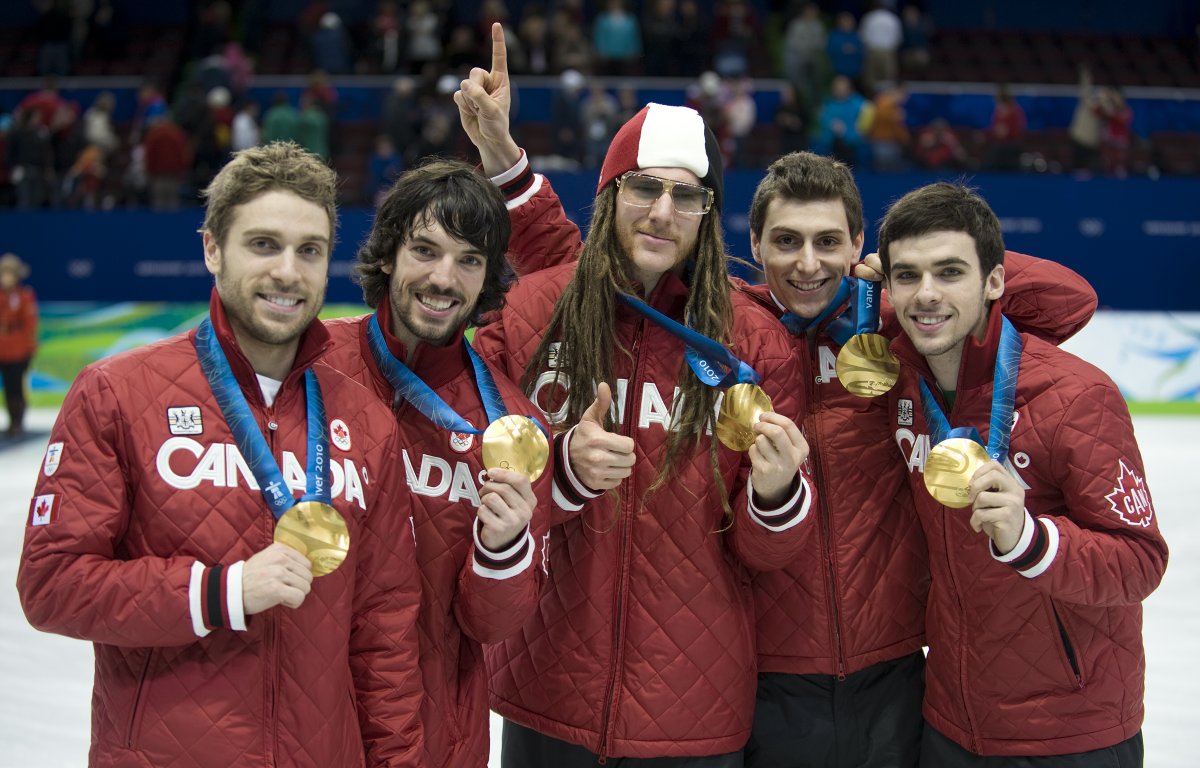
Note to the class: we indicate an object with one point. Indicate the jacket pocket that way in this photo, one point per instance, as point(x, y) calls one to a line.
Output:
point(133, 727)
point(1068, 647)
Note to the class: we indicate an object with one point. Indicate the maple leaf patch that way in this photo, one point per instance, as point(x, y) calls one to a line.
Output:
point(1130, 499)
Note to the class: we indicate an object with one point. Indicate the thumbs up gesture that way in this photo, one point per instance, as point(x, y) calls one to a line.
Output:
point(600, 459)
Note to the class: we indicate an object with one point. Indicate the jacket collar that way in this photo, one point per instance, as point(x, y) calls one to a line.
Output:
point(436, 366)
point(669, 297)
point(314, 342)
point(978, 360)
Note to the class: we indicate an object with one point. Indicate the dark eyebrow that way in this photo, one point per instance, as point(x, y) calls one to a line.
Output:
point(427, 241)
point(272, 233)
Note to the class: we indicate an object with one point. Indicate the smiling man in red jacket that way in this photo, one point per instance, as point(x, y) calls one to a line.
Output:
point(150, 531)
point(1041, 546)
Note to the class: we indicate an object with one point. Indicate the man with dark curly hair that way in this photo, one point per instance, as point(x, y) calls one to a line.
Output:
point(433, 262)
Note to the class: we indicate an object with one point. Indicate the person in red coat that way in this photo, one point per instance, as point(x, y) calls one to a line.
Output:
point(165, 528)
point(434, 261)
point(18, 337)
point(642, 645)
point(1043, 545)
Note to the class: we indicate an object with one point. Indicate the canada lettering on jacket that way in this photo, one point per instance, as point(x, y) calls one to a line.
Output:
point(653, 407)
point(436, 477)
point(222, 466)
point(916, 450)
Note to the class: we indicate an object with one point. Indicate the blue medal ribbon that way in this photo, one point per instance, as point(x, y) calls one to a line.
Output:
point(798, 325)
point(249, 438)
point(421, 395)
point(1004, 391)
point(862, 317)
point(711, 361)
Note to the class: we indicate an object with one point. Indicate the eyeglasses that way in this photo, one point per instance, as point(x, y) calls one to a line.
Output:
point(643, 191)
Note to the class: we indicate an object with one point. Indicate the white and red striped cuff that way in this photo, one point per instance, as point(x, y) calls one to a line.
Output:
point(518, 184)
point(1035, 550)
point(215, 598)
point(789, 513)
point(567, 490)
point(502, 565)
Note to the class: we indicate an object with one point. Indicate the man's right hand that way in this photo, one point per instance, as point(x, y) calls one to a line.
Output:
point(484, 100)
point(278, 575)
point(600, 459)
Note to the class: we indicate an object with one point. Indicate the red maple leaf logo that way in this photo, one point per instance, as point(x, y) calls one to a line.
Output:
point(1130, 499)
point(340, 432)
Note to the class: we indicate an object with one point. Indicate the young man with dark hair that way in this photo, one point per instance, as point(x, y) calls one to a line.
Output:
point(1041, 545)
point(433, 262)
point(170, 470)
point(642, 646)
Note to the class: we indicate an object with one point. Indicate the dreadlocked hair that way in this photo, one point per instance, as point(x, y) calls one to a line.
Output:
point(583, 321)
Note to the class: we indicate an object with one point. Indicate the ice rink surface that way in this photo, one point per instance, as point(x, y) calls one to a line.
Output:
point(45, 680)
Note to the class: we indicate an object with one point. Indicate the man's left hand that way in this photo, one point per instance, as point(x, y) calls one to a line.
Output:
point(506, 503)
point(997, 506)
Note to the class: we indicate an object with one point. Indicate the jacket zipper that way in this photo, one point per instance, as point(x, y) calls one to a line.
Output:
point(825, 517)
point(135, 715)
point(271, 671)
point(633, 403)
point(1068, 646)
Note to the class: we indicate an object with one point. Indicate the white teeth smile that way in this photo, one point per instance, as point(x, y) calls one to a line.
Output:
point(436, 304)
point(812, 285)
point(924, 320)
point(281, 301)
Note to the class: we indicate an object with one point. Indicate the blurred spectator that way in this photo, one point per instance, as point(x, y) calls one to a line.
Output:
point(322, 92)
point(98, 126)
point(239, 66)
point(46, 101)
point(385, 167)
point(881, 33)
point(18, 338)
point(534, 31)
point(462, 51)
point(660, 33)
point(30, 158)
point(804, 46)
point(695, 51)
point(212, 72)
point(245, 132)
point(150, 104)
point(331, 45)
point(914, 49)
point(1006, 134)
point(401, 114)
point(312, 129)
point(437, 139)
point(938, 148)
point(1086, 127)
point(707, 96)
point(617, 40)
point(136, 181)
point(424, 29)
point(386, 41)
point(888, 133)
point(571, 49)
point(599, 114)
point(840, 123)
point(211, 142)
point(83, 180)
point(53, 33)
point(628, 104)
point(281, 122)
point(793, 119)
point(566, 122)
point(736, 34)
point(739, 114)
point(168, 161)
point(845, 48)
point(1117, 131)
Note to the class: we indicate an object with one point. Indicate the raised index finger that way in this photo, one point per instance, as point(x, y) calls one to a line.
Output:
point(499, 50)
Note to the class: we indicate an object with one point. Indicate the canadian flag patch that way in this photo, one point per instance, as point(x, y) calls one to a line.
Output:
point(1130, 499)
point(461, 442)
point(340, 434)
point(43, 510)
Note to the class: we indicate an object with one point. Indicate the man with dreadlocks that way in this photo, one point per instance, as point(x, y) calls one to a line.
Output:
point(435, 259)
point(642, 645)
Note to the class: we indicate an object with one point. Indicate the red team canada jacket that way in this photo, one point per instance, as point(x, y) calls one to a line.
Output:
point(862, 601)
point(643, 642)
point(469, 596)
point(143, 508)
point(1038, 652)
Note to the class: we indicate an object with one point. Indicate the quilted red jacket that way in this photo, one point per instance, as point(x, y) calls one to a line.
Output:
point(469, 596)
point(863, 601)
point(18, 324)
point(144, 494)
point(643, 643)
point(1039, 652)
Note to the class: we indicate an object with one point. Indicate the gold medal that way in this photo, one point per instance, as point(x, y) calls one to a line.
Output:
point(516, 443)
point(949, 469)
point(740, 409)
point(316, 531)
point(866, 367)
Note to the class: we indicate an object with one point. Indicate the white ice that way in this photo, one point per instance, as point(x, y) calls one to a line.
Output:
point(45, 680)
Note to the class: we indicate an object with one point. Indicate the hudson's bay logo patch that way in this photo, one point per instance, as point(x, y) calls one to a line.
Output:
point(185, 420)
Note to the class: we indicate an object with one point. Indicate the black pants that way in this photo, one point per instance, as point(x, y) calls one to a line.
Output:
point(522, 747)
point(13, 376)
point(937, 751)
point(872, 719)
